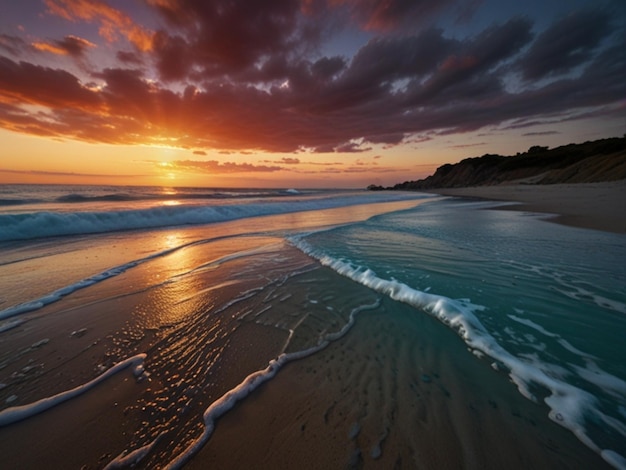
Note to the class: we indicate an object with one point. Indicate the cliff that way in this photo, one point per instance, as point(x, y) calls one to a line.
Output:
point(596, 161)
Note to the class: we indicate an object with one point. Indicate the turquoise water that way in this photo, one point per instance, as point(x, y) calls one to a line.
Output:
point(542, 302)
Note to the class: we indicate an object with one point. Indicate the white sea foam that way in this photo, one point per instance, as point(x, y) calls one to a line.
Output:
point(50, 224)
point(563, 342)
point(227, 401)
point(129, 460)
point(533, 325)
point(19, 413)
point(570, 406)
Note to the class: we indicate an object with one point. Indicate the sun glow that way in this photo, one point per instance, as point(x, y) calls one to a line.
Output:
point(172, 202)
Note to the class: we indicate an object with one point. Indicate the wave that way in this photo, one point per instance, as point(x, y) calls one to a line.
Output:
point(184, 196)
point(73, 197)
point(18, 202)
point(49, 224)
point(83, 195)
point(570, 406)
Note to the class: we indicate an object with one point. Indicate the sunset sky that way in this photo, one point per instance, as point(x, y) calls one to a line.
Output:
point(309, 93)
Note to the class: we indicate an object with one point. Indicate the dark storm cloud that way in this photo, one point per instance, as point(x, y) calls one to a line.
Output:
point(222, 37)
point(251, 75)
point(566, 44)
point(23, 81)
point(463, 74)
point(386, 15)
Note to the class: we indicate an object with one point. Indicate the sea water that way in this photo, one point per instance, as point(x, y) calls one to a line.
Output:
point(543, 304)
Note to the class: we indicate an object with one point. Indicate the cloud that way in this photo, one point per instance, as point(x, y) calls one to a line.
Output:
point(464, 74)
point(12, 44)
point(529, 134)
point(462, 146)
point(351, 147)
point(129, 58)
point(566, 44)
point(69, 45)
point(222, 37)
point(112, 22)
point(215, 167)
point(386, 15)
point(22, 81)
point(199, 152)
point(65, 173)
point(246, 77)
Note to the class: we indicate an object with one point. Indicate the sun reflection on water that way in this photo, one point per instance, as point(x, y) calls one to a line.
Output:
point(167, 303)
point(171, 202)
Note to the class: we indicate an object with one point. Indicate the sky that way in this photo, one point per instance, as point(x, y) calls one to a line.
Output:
point(288, 93)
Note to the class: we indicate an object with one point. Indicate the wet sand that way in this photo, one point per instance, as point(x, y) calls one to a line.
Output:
point(396, 392)
point(192, 359)
point(69, 343)
point(600, 206)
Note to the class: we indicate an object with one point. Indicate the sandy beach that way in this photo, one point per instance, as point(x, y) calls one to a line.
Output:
point(359, 405)
point(600, 206)
point(399, 390)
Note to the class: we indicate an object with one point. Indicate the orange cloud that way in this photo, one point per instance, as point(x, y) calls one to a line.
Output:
point(215, 167)
point(112, 21)
point(70, 45)
point(45, 47)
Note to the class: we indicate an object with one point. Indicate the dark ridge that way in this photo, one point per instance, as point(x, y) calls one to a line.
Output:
point(589, 162)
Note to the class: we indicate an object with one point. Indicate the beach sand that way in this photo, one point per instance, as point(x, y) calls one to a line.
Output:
point(600, 206)
point(384, 396)
point(70, 342)
point(388, 396)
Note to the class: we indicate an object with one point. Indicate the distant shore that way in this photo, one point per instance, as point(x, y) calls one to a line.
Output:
point(599, 206)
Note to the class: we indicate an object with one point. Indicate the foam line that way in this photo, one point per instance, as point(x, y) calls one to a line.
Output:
point(569, 405)
point(19, 413)
point(132, 458)
point(253, 381)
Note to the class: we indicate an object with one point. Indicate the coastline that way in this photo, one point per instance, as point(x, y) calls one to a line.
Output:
point(598, 206)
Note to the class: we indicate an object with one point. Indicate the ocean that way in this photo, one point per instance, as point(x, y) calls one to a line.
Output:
point(172, 308)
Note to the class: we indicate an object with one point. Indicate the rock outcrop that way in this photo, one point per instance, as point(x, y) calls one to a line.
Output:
point(596, 161)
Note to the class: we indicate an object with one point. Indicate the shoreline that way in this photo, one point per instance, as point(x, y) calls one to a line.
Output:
point(598, 206)
point(399, 389)
point(419, 408)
